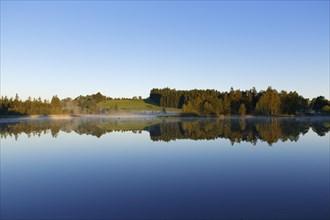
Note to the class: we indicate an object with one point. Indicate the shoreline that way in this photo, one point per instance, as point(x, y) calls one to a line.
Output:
point(25, 118)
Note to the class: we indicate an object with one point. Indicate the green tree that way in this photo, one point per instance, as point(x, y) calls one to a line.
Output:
point(326, 109)
point(318, 103)
point(235, 97)
point(56, 105)
point(292, 102)
point(226, 105)
point(242, 109)
point(98, 97)
point(269, 103)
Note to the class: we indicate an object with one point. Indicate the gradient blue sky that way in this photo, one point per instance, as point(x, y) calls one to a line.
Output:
point(123, 49)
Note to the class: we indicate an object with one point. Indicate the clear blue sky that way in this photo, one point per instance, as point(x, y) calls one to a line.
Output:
point(123, 49)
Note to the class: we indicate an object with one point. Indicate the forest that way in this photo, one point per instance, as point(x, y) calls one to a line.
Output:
point(56, 106)
point(190, 102)
point(236, 102)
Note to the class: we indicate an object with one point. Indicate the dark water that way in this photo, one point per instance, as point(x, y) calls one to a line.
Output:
point(165, 169)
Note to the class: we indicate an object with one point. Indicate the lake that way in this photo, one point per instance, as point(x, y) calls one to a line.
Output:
point(155, 168)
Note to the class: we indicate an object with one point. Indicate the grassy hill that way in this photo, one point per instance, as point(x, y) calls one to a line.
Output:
point(133, 106)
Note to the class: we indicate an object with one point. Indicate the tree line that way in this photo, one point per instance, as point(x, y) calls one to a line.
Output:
point(80, 105)
point(236, 102)
point(88, 104)
point(191, 102)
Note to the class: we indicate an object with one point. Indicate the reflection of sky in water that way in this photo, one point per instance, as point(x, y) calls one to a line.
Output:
point(127, 175)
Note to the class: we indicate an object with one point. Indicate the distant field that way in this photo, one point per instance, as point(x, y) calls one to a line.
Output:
point(133, 105)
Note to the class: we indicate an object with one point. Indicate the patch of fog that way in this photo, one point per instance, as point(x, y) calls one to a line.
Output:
point(140, 115)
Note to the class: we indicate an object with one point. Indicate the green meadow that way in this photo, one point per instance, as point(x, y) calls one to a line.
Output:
point(130, 105)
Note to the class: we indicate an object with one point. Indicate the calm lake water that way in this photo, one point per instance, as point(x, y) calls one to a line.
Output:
point(147, 168)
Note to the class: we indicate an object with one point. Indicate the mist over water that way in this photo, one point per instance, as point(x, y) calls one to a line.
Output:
point(155, 168)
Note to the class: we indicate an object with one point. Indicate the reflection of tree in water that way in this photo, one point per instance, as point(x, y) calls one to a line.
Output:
point(270, 130)
point(95, 127)
point(321, 128)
